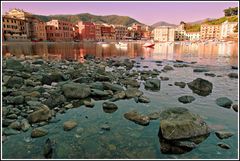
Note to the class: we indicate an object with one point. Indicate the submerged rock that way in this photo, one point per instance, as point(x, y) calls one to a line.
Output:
point(152, 84)
point(223, 134)
point(180, 84)
point(186, 99)
point(201, 86)
point(9, 131)
point(69, 125)
point(88, 103)
point(164, 78)
point(180, 130)
point(200, 70)
point(154, 115)
point(48, 149)
point(224, 102)
point(233, 75)
point(223, 145)
point(143, 99)
point(235, 107)
point(168, 67)
point(210, 74)
point(38, 132)
point(76, 90)
point(109, 107)
point(25, 125)
point(137, 118)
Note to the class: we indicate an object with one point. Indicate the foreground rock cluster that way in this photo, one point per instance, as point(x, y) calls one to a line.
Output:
point(34, 90)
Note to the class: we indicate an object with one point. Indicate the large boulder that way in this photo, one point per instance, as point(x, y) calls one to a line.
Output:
point(201, 86)
point(76, 90)
point(180, 130)
point(109, 107)
point(224, 102)
point(223, 134)
point(43, 114)
point(14, 64)
point(153, 84)
point(186, 99)
point(137, 118)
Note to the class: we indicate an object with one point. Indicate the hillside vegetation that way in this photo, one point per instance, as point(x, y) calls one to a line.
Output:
point(110, 19)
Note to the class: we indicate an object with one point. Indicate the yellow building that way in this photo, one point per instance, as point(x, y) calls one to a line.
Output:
point(13, 29)
point(209, 32)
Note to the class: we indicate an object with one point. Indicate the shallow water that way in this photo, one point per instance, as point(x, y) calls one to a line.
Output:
point(127, 139)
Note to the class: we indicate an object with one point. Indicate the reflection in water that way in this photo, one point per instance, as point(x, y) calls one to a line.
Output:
point(212, 53)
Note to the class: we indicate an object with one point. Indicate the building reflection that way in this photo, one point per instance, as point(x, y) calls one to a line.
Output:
point(210, 53)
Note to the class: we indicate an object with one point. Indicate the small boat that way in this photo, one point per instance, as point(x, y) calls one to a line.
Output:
point(121, 45)
point(149, 44)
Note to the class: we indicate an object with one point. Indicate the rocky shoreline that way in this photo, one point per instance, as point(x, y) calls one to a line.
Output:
point(35, 90)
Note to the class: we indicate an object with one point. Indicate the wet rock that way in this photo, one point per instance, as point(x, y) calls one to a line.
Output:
point(15, 125)
point(105, 127)
point(133, 92)
point(224, 102)
point(168, 67)
point(7, 122)
point(180, 130)
point(186, 99)
point(12, 116)
point(34, 103)
point(43, 114)
point(223, 134)
point(210, 74)
point(55, 100)
point(38, 61)
point(180, 65)
point(48, 149)
point(143, 99)
point(76, 90)
point(131, 82)
point(164, 78)
point(112, 87)
point(109, 107)
point(200, 70)
point(9, 131)
point(14, 64)
point(16, 100)
point(68, 125)
point(52, 77)
point(15, 82)
point(99, 93)
point(38, 132)
point(180, 123)
point(120, 95)
point(235, 107)
point(154, 115)
point(223, 145)
point(234, 67)
point(88, 103)
point(25, 125)
point(89, 57)
point(137, 118)
point(201, 86)
point(152, 84)
point(233, 75)
point(180, 84)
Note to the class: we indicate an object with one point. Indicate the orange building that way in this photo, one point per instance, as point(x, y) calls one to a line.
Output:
point(58, 30)
point(39, 30)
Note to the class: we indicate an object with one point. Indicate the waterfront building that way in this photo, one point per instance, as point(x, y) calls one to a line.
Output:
point(98, 33)
point(227, 29)
point(120, 32)
point(193, 36)
point(38, 30)
point(180, 35)
point(13, 29)
point(107, 32)
point(86, 31)
point(58, 30)
point(210, 32)
point(164, 33)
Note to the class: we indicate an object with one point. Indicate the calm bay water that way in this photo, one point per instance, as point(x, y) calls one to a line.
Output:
point(211, 54)
point(127, 139)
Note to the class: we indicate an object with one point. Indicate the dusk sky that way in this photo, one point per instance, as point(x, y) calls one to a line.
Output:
point(145, 12)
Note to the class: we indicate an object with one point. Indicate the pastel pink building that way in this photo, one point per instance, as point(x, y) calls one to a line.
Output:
point(58, 30)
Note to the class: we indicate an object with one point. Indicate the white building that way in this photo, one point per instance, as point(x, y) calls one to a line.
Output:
point(193, 36)
point(164, 33)
point(227, 29)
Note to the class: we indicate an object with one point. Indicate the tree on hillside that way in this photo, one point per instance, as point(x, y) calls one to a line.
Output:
point(236, 28)
point(231, 11)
